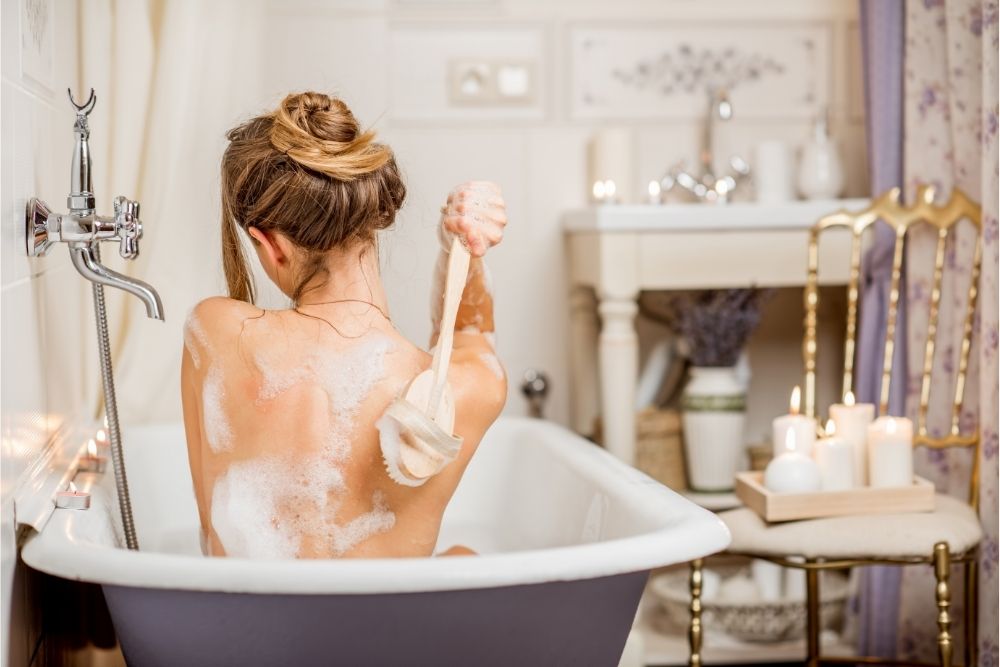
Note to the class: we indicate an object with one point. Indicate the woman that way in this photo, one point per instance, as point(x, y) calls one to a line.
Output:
point(280, 406)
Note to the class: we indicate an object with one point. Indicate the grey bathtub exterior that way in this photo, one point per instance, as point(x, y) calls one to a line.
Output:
point(581, 623)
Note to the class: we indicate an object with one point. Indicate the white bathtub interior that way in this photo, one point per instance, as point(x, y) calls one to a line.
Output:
point(517, 493)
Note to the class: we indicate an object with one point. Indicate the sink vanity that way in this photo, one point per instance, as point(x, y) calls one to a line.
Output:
point(616, 251)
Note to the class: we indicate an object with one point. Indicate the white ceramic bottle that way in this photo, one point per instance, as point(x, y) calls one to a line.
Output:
point(714, 414)
point(821, 174)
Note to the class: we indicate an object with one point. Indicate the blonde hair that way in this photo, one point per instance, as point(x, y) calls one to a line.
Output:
point(308, 171)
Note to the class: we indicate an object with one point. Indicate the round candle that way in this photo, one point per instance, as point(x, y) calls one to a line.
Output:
point(852, 424)
point(611, 159)
point(835, 457)
point(890, 452)
point(804, 429)
point(792, 473)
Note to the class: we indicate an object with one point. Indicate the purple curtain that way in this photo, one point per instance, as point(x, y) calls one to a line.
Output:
point(882, 37)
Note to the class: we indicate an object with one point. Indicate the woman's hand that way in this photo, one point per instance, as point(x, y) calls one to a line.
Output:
point(476, 213)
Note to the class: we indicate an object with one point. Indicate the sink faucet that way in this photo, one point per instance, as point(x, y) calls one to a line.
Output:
point(83, 229)
point(709, 186)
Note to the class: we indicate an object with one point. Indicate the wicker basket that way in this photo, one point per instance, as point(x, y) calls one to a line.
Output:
point(659, 447)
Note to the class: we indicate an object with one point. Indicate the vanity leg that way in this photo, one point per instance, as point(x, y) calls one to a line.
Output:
point(584, 380)
point(618, 347)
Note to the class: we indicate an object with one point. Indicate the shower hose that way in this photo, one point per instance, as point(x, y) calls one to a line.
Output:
point(111, 411)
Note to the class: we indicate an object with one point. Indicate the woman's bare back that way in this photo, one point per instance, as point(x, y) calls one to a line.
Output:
point(281, 410)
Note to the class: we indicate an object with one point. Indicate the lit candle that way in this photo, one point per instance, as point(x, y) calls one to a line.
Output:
point(71, 499)
point(791, 471)
point(654, 192)
point(803, 427)
point(890, 452)
point(91, 462)
point(852, 424)
point(598, 192)
point(610, 190)
point(835, 457)
point(611, 157)
point(101, 436)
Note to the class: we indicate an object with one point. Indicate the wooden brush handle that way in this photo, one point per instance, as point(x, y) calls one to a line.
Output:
point(458, 270)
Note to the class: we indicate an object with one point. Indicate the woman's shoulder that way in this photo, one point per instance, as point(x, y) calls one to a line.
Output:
point(218, 316)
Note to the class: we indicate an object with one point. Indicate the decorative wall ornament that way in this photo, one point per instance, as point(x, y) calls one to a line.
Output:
point(654, 72)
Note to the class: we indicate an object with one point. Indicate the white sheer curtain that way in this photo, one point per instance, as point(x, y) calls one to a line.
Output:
point(171, 77)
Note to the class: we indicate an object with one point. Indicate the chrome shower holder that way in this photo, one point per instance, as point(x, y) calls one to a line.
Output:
point(83, 231)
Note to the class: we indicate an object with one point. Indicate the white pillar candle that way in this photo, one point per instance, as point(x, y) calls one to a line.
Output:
point(773, 172)
point(804, 429)
point(890, 452)
point(611, 159)
point(852, 424)
point(835, 457)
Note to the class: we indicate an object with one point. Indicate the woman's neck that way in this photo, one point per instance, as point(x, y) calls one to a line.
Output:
point(351, 275)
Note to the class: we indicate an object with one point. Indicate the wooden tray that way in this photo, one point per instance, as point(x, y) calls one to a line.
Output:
point(866, 500)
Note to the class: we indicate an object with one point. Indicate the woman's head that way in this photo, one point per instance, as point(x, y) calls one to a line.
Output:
point(303, 179)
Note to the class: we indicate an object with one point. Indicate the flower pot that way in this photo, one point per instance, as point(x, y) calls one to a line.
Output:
point(714, 404)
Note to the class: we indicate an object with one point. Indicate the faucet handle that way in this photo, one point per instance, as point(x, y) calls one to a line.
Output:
point(129, 227)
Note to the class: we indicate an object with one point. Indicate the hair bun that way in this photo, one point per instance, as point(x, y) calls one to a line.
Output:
point(319, 132)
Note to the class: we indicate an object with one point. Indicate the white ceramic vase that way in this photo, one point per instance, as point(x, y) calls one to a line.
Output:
point(821, 175)
point(714, 403)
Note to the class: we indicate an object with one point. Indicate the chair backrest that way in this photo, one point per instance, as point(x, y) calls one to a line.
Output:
point(944, 219)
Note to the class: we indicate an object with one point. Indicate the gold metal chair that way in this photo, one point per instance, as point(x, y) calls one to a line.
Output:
point(947, 536)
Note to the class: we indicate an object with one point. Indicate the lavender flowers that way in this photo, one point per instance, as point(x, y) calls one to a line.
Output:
point(716, 324)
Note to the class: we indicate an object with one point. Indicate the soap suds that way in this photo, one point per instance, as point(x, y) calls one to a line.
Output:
point(346, 377)
point(217, 429)
point(378, 520)
point(195, 338)
point(244, 516)
point(390, 441)
point(491, 338)
point(471, 330)
point(493, 364)
point(263, 508)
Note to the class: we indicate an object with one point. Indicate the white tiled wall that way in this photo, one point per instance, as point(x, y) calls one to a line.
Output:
point(538, 155)
point(41, 299)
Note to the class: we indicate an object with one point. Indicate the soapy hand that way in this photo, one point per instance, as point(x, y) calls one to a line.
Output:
point(477, 214)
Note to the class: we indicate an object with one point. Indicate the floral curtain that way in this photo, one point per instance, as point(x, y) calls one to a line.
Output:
point(950, 121)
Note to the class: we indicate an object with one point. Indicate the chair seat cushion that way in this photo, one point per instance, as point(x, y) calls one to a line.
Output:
point(859, 536)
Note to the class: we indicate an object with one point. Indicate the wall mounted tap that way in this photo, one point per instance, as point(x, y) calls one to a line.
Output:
point(707, 186)
point(83, 229)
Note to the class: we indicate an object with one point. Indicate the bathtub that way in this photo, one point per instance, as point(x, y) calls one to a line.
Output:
point(566, 532)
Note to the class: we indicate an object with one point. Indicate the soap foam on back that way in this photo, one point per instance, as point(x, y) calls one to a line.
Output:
point(195, 338)
point(213, 416)
point(360, 528)
point(244, 511)
point(248, 501)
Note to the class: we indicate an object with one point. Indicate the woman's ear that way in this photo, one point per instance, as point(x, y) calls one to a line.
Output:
point(268, 248)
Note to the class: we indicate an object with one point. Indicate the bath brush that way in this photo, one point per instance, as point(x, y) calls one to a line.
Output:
point(425, 413)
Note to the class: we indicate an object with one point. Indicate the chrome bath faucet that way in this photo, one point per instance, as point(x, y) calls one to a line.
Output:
point(707, 186)
point(83, 229)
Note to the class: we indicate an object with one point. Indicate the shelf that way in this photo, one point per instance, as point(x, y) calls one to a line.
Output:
point(794, 215)
point(667, 650)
